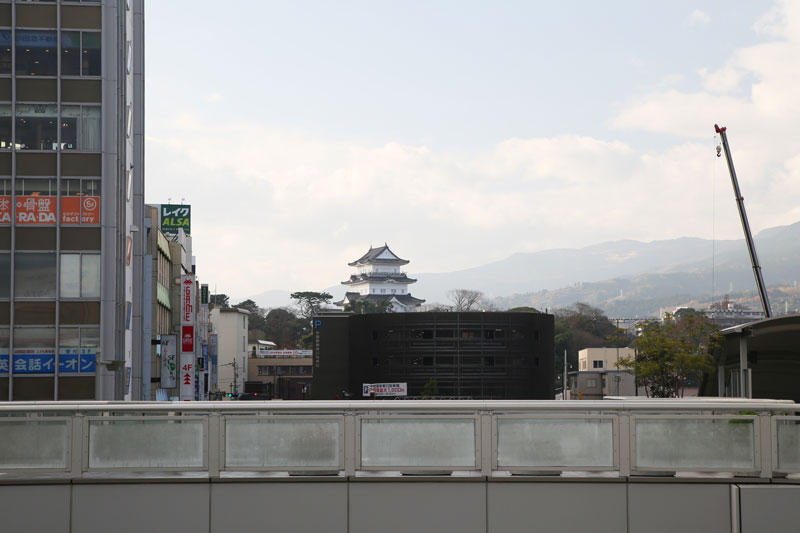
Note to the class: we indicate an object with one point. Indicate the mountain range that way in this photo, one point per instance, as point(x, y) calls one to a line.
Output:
point(624, 278)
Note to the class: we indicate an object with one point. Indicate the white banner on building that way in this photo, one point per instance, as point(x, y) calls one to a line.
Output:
point(286, 353)
point(169, 361)
point(188, 360)
point(385, 389)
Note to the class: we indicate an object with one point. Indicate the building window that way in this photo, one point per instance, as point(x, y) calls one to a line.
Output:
point(80, 128)
point(35, 275)
point(597, 364)
point(34, 350)
point(80, 53)
point(80, 276)
point(5, 124)
point(36, 53)
point(36, 127)
point(77, 349)
point(36, 201)
point(80, 201)
point(383, 291)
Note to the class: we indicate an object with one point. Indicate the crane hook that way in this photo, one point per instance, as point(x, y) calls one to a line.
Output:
point(719, 151)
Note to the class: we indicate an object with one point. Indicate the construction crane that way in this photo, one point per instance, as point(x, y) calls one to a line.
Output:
point(751, 247)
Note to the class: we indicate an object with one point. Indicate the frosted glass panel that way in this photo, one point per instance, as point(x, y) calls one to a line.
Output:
point(282, 443)
point(555, 442)
point(34, 444)
point(692, 444)
point(424, 443)
point(145, 444)
point(788, 444)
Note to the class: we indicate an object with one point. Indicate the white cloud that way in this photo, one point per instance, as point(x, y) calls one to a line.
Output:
point(698, 18)
point(281, 209)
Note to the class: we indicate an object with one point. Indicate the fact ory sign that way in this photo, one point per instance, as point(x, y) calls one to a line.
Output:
point(174, 216)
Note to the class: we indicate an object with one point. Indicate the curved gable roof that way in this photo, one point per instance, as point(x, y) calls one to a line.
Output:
point(379, 256)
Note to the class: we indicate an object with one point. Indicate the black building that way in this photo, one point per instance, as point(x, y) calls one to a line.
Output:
point(469, 355)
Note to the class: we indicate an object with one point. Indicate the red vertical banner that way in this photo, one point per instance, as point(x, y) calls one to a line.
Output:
point(187, 339)
point(5, 210)
point(36, 209)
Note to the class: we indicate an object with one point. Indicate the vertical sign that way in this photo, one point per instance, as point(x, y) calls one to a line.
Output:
point(169, 361)
point(212, 353)
point(186, 371)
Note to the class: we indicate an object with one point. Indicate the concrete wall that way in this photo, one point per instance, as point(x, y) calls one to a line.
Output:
point(607, 355)
point(230, 325)
point(400, 506)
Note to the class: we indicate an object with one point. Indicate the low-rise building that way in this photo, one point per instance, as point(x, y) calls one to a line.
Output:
point(229, 324)
point(599, 374)
point(280, 374)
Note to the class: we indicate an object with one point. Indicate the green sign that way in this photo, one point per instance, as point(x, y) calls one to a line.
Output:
point(176, 216)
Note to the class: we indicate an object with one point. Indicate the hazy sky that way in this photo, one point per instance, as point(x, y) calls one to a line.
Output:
point(461, 132)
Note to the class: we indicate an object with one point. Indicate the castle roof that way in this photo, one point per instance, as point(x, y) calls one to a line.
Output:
point(379, 256)
point(404, 299)
point(379, 277)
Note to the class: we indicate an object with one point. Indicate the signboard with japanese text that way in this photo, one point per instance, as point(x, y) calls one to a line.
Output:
point(35, 209)
point(385, 389)
point(186, 374)
point(80, 210)
point(174, 217)
point(169, 361)
point(43, 361)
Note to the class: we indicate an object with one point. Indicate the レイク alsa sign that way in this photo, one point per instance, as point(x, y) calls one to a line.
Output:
point(174, 217)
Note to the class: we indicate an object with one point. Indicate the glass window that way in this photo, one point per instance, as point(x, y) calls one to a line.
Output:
point(36, 52)
point(71, 53)
point(90, 53)
point(80, 128)
point(35, 275)
point(5, 275)
point(80, 276)
point(70, 187)
point(34, 337)
point(36, 127)
point(35, 187)
point(90, 276)
point(5, 51)
point(70, 275)
point(5, 126)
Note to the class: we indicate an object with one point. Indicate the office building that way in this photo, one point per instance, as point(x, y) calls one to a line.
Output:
point(229, 324)
point(71, 199)
point(438, 354)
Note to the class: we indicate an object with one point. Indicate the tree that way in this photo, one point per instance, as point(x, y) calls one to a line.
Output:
point(583, 326)
point(430, 389)
point(310, 302)
point(364, 307)
point(464, 299)
point(672, 353)
point(284, 328)
point(256, 321)
point(219, 300)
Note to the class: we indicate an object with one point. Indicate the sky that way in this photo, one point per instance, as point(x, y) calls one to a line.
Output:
point(461, 132)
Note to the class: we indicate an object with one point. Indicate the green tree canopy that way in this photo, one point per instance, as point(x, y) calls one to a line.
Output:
point(364, 307)
point(219, 300)
point(310, 302)
point(284, 328)
point(672, 353)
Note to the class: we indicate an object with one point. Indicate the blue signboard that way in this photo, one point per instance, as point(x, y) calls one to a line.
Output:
point(71, 361)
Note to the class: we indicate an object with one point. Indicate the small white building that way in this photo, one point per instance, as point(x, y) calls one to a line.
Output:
point(599, 375)
point(230, 325)
point(378, 278)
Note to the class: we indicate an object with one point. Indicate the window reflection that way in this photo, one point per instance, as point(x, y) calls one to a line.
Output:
point(80, 128)
point(36, 127)
point(80, 53)
point(5, 51)
point(36, 52)
point(5, 126)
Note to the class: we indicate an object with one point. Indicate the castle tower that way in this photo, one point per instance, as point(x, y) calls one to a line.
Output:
point(378, 278)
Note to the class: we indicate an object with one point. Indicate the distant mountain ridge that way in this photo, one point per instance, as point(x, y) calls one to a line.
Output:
point(626, 275)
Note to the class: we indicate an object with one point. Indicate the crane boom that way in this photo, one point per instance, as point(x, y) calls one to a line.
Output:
point(751, 247)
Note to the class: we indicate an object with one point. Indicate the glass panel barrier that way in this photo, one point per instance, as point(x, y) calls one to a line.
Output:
point(552, 442)
point(149, 444)
point(788, 431)
point(272, 443)
point(34, 444)
point(695, 444)
point(442, 443)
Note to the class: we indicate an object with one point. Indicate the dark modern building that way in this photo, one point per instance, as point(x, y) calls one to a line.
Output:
point(71, 199)
point(465, 355)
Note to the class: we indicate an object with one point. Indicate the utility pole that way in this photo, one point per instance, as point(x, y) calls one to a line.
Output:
point(564, 384)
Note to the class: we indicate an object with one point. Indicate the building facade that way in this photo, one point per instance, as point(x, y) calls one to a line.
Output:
point(71, 199)
point(476, 355)
point(279, 374)
point(229, 324)
point(378, 278)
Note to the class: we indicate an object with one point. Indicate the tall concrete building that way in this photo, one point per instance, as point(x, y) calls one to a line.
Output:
point(71, 199)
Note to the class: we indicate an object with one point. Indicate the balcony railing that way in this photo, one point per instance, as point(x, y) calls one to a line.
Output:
point(474, 439)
